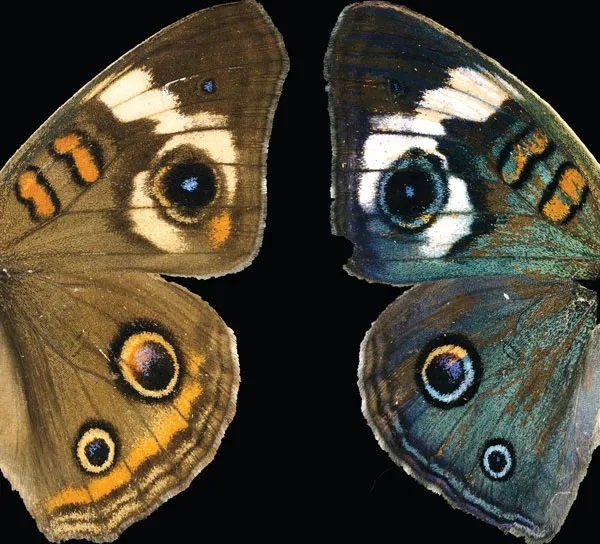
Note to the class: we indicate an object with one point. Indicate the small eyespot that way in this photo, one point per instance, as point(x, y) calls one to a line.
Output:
point(209, 86)
point(96, 447)
point(147, 361)
point(414, 190)
point(449, 371)
point(498, 459)
point(396, 88)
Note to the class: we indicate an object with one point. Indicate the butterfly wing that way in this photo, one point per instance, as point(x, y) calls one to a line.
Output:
point(445, 164)
point(119, 390)
point(119, 385)
point(483, 389)
point(163, 153)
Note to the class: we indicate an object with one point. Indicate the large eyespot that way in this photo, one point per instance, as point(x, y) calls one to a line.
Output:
point(497, 459)
point(448, 371)
point(96, 447)
point(146, 360)
point(414, 190)
point(185, 183)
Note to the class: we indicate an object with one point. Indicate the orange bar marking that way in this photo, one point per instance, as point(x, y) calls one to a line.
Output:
point(185, 401)
point(168, 426)
point(220, 229)
point(555, 209)
point(84, 161)
point(572, 184)
point(31, 189)
point(118, 477)
point(530, 145)
point(97, 489)
point(69, 496)
point(148, 448)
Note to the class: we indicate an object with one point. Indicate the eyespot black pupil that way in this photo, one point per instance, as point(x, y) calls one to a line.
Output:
point(408, 193)
point(155, 367)
point(445, 373)
point(497, 461)
point(190, 185)
point(414, 190)
point(97, 452)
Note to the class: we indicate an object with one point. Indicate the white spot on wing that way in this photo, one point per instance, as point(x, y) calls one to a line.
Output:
point(453, 223)
point(479, 85)
point(147, 221)
point(407, 123)
point(132, 97)
point(126, 87)
point(452, 103)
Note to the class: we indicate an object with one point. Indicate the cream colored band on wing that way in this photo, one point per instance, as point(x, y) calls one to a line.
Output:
point(134, 96)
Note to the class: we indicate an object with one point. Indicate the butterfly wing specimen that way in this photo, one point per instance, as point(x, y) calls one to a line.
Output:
point(119, 386)
point(484, 387)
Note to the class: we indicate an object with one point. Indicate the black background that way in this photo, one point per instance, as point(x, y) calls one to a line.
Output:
point(299, 459)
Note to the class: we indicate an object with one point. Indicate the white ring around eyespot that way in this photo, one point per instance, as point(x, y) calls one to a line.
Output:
point(502, 449)
point(467, 381)
point(88, 436)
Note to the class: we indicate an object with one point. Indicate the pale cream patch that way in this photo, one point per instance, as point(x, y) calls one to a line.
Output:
point(169, 122)
point(453, 223)
point(469, 95)
point(132, 97)
point(453, 103)
point(407, 123)
point(148, 222)
point(126, 87)
point(478, 84)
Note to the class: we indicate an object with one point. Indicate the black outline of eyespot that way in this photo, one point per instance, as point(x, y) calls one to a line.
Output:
point(513, 459)
point(469, 347)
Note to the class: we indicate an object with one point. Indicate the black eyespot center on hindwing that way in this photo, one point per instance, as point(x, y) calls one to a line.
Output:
point(96, 447)
point(185, 183)
point(498, 460)
point(147, 360)
point(448, 371)
point(414, 190)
